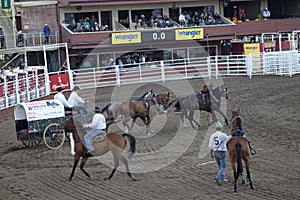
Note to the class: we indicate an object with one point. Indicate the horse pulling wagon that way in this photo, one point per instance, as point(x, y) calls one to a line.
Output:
point(38, 120)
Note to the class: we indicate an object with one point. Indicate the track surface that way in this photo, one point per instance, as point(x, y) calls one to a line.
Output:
point(270, 111)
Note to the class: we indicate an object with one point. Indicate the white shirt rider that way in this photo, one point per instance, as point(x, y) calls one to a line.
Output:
point(98, 122)
point(61, 97)
point(75, 99)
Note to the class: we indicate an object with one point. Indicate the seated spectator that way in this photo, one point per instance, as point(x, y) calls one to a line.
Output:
point(217, 17)
point(97, 27)
point(202, 22)
point(87, 64)
point(86, 24)
point(144, 25)
point(244, 17)
point(210, 18)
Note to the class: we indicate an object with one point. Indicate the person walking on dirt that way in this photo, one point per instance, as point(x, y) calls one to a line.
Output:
point(218, 149)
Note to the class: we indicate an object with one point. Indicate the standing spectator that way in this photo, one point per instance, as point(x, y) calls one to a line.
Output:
point(266, 13)
point(181, 19)
point(196, 18)
point(120, 63)
point(217, 17)
point(218, 148)
point(47, 32)
point(93, 22)
point(204, 15)
point(1, 38)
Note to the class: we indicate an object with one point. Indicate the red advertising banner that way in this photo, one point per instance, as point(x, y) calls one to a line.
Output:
point(59, 80)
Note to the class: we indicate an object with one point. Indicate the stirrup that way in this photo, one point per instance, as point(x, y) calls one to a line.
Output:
point(253, 152)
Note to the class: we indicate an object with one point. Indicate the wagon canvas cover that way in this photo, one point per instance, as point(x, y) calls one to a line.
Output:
point(38, 110)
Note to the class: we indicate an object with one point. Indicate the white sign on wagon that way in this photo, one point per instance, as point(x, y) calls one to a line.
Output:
point(37, 110)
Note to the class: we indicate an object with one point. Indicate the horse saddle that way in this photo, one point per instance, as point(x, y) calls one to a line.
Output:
point(99, 138)
point(238, 132)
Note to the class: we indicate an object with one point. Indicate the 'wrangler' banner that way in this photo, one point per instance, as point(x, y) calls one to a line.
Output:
point(254, 49)
point(189, 34)
point(126, 38)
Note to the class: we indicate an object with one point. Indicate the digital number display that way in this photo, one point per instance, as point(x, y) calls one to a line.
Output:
point(158, 36)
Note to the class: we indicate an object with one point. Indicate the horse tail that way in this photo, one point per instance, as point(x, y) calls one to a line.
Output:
point(104, 109)
point(239, 159)
point(132, 142)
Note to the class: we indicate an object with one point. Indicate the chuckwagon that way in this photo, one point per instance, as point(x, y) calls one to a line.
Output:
point(38, 120)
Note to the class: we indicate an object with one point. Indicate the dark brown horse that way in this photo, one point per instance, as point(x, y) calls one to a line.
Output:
point(114, 142)
point(238, 150)
point(134, 109)
point(189, 104)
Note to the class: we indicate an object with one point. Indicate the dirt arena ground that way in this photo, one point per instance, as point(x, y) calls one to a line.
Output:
point(168, 164)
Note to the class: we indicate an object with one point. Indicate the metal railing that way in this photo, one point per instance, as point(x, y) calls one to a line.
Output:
point(33, 84)
point(29, 39)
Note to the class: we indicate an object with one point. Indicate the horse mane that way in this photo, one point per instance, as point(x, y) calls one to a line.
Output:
point(143, 96)
point(173, 102)
point(105, 108)
point(239, 123)
point(78, 126)
point(238, 120)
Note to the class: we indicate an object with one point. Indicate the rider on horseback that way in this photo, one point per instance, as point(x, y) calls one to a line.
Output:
point(98, 126)
point(206, 94)
point(151, 95)
point(240, 132)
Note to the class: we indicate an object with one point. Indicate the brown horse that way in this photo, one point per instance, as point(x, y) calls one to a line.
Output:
point(238, 150)
point(114, 142)
point(134, 109)
point(188, 105)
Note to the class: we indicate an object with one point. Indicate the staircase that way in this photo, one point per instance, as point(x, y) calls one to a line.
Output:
point(7, 27)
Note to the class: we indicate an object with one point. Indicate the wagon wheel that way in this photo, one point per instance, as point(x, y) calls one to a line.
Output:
point(32, 142)
point(54, 137)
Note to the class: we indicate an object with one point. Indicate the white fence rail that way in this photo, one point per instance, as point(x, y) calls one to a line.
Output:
point(32, 85)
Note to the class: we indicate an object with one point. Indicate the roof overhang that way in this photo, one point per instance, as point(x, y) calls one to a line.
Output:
point(34, 3)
